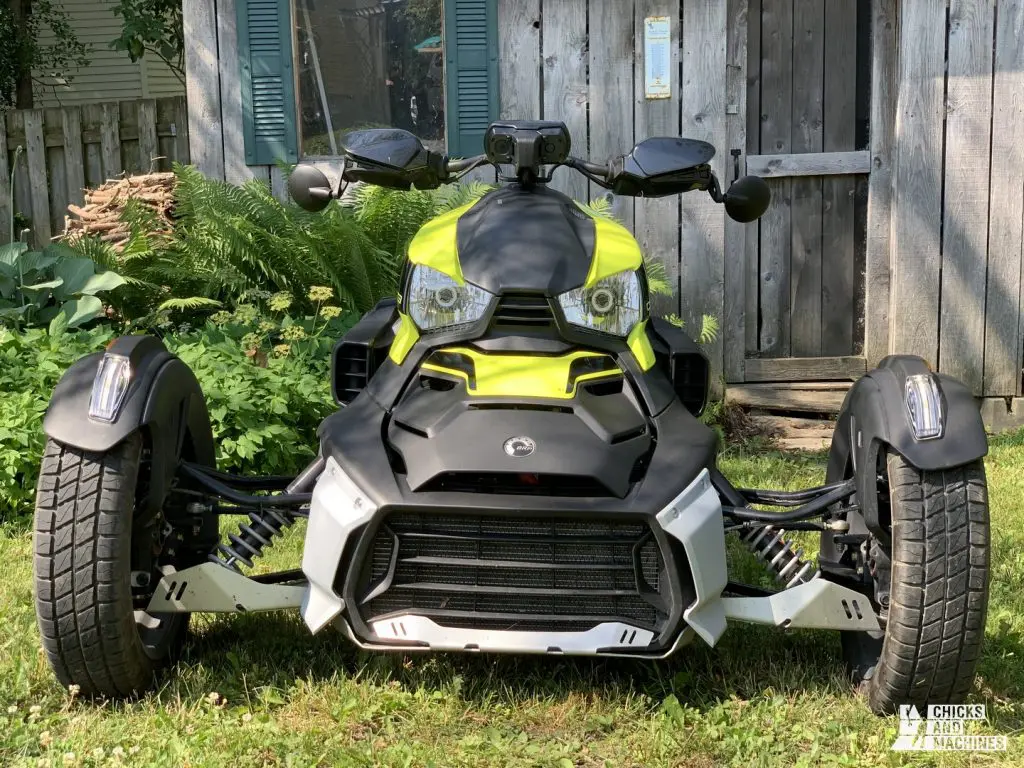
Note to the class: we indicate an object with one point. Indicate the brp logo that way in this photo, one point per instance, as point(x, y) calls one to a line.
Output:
point(519, 447)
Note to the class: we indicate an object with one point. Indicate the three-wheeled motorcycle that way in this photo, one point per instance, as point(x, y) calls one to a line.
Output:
point(516, 464)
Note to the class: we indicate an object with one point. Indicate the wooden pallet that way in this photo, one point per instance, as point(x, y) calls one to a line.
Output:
point(796, 434)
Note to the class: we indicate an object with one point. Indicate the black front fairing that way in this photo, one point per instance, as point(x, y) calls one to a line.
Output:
point(517, 238)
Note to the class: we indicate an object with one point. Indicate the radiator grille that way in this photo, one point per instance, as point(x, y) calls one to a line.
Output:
point(514, 573)
point(524, 311)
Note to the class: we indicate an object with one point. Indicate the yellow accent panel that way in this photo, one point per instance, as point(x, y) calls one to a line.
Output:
point(640, 346)
point(615, 249)
point(405, 339)
point(521, 375)
point(435, 245)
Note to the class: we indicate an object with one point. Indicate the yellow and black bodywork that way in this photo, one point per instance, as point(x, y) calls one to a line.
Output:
point(500, 435)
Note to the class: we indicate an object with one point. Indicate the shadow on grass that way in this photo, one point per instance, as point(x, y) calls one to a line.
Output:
point(275, 650)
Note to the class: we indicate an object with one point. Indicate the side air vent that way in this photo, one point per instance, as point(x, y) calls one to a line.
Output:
point(523, 311)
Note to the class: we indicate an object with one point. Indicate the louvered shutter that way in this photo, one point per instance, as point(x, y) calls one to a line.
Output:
point(267, 79)
point(471, 62)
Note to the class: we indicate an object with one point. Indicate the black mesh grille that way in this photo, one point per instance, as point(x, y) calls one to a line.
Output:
point(524, 573)
point(516, 483)
point(523, 310)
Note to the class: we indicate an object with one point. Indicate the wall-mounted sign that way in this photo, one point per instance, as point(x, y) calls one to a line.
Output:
point(658, 57)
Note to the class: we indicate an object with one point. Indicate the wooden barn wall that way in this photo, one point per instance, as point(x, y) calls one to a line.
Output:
point(958, 190)
point(808, 64)
point(581, 61)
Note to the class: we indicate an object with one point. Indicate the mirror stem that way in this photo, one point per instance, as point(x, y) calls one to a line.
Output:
point(715, 191)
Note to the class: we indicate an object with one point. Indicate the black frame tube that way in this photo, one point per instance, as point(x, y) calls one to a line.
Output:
point(202, 476)
point(738, 504)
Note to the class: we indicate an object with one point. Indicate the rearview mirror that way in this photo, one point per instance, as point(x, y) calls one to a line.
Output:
point(309, 188)
point(747, 199)
point(391, 157)
point(662, 166)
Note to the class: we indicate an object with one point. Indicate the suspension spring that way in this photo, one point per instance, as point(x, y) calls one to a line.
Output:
point(785, 561)
point(265, 524)
point(252, 539)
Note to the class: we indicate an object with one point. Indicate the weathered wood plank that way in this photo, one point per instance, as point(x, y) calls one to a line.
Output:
point(278, 184)
point(128, 125)
point(110, 139)
point(565, 84)
point(180, 129)
point(35, 157)
point(752, 239)
point(147, 136)
point(807, 137)
point(776, 135)
point(1004, 322)
point(804, 368)
point(21, 194)
point(817, 164)
point(917, 213)
point(74, 163)
point(519, 59)
point(736, 121)
point(611, 89)
point(1000, 416)
point(56, 174)
point(965, 211)
point(657, 221)
point(702, 221)
point(6, 204)
point(838, 316)
point(803, 398)
point(235, 169)
point(205, 123)
point(880, 191)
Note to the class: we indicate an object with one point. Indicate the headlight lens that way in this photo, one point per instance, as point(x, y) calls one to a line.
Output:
point(613, 305)
point(436, 301)
point(109, 387)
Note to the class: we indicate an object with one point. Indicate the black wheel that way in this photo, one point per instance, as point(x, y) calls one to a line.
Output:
point(930, 586)
point(96, 564)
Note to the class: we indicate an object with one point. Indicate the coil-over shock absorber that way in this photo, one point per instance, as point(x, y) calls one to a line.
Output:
point(265, 523)
point(786, 562)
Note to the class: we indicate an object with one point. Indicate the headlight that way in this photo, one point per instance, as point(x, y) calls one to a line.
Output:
point(613, 305)
point(435, 300)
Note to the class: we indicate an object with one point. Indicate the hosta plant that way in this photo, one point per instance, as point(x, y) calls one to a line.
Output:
point(38, 286)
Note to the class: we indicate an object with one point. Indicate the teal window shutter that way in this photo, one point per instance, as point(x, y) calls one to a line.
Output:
point(471, 70)
point(267, 80)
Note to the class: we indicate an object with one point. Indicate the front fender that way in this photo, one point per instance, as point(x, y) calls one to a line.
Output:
point(164, 400)
point(874, 416)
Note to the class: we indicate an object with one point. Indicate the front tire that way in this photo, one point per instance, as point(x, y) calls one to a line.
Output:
point(938, 588)
point(93, 632)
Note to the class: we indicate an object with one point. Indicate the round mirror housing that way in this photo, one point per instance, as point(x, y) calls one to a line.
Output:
point(747, 199)
point(309, 188)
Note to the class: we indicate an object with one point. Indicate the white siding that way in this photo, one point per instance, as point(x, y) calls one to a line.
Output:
point(111, 75)
point(160, 80)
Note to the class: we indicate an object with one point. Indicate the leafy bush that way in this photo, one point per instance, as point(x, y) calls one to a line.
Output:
point(36, 286)
point(31, 363)
point(265, 380)
point(229, 240)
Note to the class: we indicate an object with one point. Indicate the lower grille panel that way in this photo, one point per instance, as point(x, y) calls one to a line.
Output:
point(514, 573)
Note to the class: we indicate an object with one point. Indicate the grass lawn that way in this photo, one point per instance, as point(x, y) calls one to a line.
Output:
point(259, 690)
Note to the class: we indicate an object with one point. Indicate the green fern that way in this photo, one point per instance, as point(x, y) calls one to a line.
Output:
point(190, 304)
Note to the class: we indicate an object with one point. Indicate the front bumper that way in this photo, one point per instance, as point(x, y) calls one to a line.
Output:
point(688, 531)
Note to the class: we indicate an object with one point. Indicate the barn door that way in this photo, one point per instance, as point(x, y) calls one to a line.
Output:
point(808, 108)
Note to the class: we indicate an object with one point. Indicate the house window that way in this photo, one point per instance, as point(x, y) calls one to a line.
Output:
point(368, 64)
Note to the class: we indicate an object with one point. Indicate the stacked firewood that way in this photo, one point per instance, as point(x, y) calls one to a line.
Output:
point(101, 215)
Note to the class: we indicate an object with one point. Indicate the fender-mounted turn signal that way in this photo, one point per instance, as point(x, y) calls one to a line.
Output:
point(110, 387)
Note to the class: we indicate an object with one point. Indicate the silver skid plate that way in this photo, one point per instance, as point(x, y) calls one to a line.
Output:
point(212, 588)
point(818, 604)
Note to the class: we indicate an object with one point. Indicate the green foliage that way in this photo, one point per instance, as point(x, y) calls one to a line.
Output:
point(230, 239)
point(708, 327)
point(155, 27)
point(31, 363)
point(37, 286)
point(390, 218)
point(22, 53)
